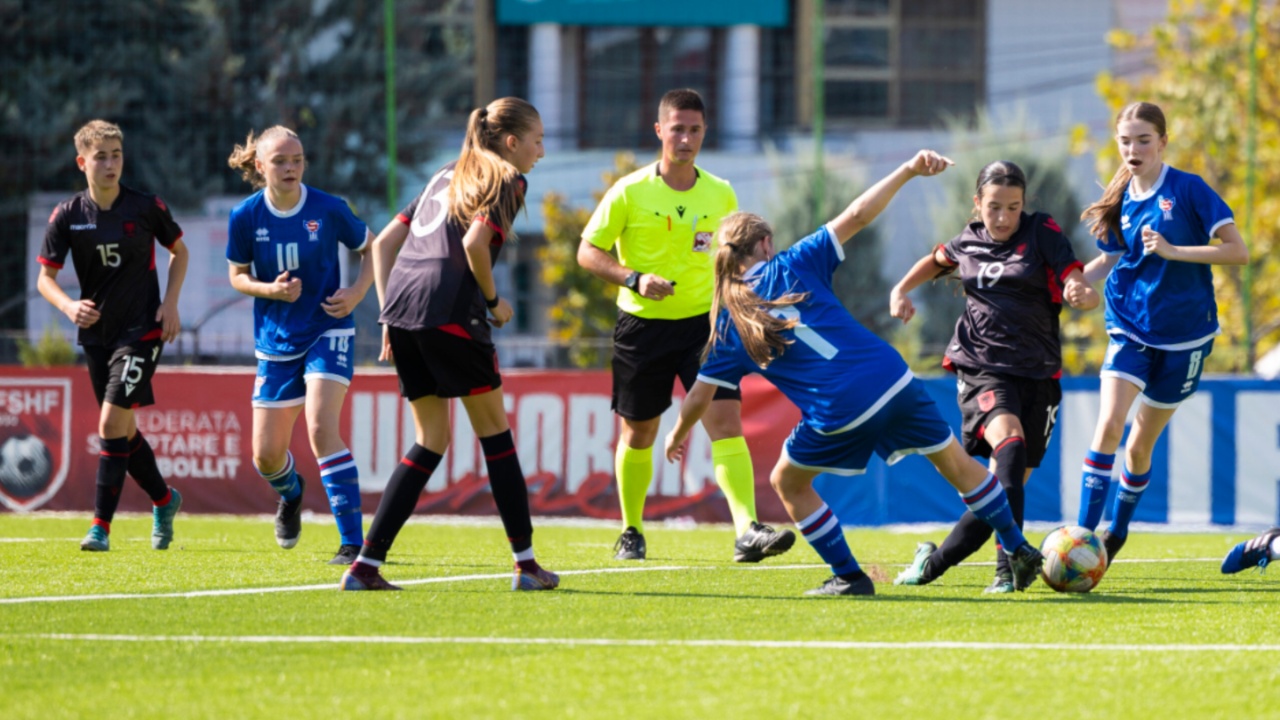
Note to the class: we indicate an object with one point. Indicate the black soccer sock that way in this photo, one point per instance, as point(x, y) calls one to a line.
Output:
point(113, 460)
point(967, 537)
point(1011, 466)
point(510, 493)
point(142, 466)
point(399, 500)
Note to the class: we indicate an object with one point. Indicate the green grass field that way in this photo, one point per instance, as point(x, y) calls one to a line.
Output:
point(137, 633)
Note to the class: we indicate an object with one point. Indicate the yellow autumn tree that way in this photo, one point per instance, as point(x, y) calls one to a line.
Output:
point(584, 310)
point(1200, 53)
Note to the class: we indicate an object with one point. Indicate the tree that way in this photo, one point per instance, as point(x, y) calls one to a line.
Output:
point(1200, 53)
point(585, 307)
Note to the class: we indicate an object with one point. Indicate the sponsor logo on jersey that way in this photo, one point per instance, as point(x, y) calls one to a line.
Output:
point(35, 440)
point(1166, 206)
point(702, 242)
point(1124, 222)
point(85, 226)
point(313, 227)
point(263, 235)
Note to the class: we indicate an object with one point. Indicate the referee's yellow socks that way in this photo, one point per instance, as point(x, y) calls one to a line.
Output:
point(736, 478)
point(634, 470)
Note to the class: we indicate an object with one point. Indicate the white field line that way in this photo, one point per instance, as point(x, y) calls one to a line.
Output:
point(622, 642)
point(456, 578)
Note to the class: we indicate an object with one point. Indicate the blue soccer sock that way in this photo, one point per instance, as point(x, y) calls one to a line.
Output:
point(342, 484)
point(822, 530)
point(1094, 482)
point(1126, 502)
point(284, 480)
point(990, 504)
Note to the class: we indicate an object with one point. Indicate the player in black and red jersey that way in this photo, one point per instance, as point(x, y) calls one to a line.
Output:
point(1016, 269)
point(110, 231)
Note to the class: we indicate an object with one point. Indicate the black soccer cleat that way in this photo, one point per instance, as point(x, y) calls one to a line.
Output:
point(760, 542)
point(630, 545)
point(289, 518)
point(838, 585)
point(347, 554)
point(1112, 543)
point(1025, 562)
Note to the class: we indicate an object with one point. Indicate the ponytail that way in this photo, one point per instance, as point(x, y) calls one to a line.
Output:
point(760, 330)
point(481, 183)
point(243, 158)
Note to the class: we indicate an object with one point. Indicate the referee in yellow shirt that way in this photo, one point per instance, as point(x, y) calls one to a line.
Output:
point(663, 219)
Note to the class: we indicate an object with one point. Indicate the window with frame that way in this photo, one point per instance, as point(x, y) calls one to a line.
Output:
point(903, 63)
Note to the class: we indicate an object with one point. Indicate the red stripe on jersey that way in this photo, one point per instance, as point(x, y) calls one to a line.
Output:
point(1077, 265)
point(50, 263)
point(153, 258)
point(153, 335)
point(1055, 287)
point(947, 364)
point(402, 218)
point(454, 329)
point(497, 230)
point(1052, 225)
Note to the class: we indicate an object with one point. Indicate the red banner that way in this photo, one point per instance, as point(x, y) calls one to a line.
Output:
point(201, 431)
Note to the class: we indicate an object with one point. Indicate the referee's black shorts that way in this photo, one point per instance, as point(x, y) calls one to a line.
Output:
point(983, 396)
point(650, 355)
point(442, 361)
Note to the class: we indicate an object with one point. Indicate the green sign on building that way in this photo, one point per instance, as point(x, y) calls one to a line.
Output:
point(654, 13)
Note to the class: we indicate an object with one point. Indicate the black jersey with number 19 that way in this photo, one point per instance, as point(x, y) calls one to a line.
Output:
point(1013, 295)
point(114, 254)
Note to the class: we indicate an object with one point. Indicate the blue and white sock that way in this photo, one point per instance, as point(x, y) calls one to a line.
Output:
point(342, 484)
point(1127, 495)
point(1095, 481)
point(990, 504)
point(822, 530)
point(284, 481)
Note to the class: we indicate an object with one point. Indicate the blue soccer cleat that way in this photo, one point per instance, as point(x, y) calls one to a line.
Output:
point(1251, 553)
point(162, 521)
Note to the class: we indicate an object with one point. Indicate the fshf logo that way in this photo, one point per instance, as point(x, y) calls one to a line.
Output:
point(35, 440)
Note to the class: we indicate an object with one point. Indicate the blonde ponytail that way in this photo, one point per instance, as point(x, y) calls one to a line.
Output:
point(243, 158)
point(481, 173)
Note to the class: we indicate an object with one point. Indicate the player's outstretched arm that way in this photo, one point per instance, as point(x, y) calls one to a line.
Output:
point(81, 312)
point(694, 407)
point(926, 268)
point(1100, 267)
point(871, 203)
point(167, 315)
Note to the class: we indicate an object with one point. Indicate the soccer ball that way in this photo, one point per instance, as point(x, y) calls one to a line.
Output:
point(25, 465)
point(1074, 560)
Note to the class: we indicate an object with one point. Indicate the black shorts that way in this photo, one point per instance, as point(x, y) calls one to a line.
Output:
point(122, 376)
point(649, 356)
point(442, 363)
point(983, 396)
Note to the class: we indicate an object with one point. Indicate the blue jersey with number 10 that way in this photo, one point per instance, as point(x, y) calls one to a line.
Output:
point(836, 371)
point(302, 241)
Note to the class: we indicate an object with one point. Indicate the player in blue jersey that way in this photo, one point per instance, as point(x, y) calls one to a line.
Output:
point(434, 269)
point(1017, 268)
point(283, 246)
point(1155, 226)
point(776, 314)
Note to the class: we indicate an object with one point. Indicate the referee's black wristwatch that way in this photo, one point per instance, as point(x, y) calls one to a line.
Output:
point(633, 281)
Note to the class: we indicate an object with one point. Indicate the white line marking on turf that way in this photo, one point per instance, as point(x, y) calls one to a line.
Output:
point(621, 642)
point(453, 578)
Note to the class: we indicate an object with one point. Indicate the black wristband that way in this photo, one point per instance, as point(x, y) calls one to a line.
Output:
point(632, 282)
point(492, 303)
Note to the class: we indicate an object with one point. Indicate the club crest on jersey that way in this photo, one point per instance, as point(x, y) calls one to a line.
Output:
point(130, 229)
point(1166, 206)
point(263, 235)
point(702, 242)
point(313, 227)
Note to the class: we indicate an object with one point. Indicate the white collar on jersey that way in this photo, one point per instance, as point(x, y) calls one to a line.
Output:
point(291, 211)
point(754, 269)
point(1135, 197)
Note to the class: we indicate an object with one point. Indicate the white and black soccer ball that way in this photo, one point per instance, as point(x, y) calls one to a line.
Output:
point(25, 465)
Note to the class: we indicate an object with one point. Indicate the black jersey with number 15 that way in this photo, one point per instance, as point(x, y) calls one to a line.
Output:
point(114, 254)
point(1013, 295)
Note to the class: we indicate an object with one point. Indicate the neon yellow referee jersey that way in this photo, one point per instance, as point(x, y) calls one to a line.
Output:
point(665, 232)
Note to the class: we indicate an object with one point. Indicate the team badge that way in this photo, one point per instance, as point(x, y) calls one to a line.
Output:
point(702, 242)
point(130, 229)
point(313, 227)
point(987, 400)
point(35, 440)
point(1166, 205)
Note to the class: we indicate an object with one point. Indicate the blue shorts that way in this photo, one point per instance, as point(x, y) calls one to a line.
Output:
point(908, 424)
point(283, 383)
point(1165, 377)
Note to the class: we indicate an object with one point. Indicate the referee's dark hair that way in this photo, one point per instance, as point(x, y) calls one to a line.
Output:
point(682, 99)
